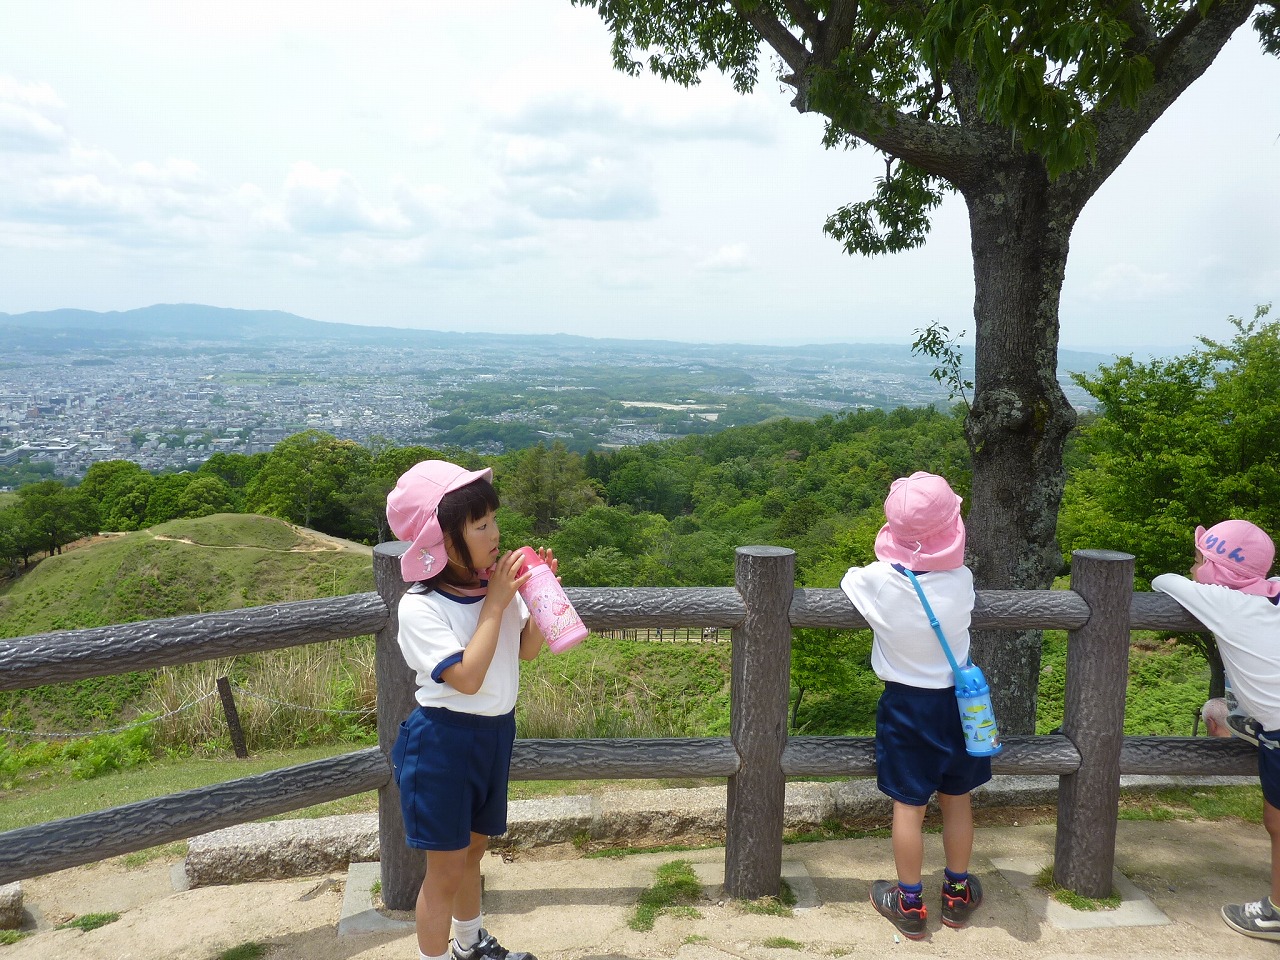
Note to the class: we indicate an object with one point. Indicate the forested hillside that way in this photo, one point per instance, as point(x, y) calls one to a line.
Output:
point(661, 514)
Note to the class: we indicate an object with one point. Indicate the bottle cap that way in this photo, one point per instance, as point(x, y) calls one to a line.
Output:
point(528, 560)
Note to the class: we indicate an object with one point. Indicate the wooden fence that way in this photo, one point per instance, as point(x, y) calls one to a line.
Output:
point(1099, 611)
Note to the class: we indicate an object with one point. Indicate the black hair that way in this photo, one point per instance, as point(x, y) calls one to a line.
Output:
point(457, 507)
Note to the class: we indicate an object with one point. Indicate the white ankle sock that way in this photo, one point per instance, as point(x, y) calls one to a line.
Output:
point(467, 932)
point(423, 956)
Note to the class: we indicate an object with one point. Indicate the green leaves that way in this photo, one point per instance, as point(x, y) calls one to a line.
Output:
point(1183, 441)
point(896, 218)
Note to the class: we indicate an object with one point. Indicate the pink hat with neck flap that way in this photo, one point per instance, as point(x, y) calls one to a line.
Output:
point(1238, 555)
point(412, 513)
point(924, 530)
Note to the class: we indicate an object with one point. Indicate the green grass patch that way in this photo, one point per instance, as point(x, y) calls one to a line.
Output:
point(9, 937)
point(675, 891)
point(89, 921)
point(45, 795)
point(779, 906)
point(1243, 803)
point(835, 830)
point(1044, 880)
point(782, 943)
point(245, 951)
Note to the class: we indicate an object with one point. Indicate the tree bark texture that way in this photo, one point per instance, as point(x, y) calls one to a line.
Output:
point(88, 838)
point(1093, 719)
point(759, 692)
point(402, 867)
point(1018, 425)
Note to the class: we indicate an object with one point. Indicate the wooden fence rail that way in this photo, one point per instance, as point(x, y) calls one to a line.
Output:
point(760, 610)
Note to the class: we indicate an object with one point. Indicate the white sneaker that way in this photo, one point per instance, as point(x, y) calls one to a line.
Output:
point(1246, 728)
point(1253, 919)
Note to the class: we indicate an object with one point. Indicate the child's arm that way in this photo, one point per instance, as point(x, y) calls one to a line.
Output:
point(468, 674)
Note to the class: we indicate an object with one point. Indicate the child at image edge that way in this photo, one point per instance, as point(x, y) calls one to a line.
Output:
point(1230, 594)
point(463, 630)
point(920, 745)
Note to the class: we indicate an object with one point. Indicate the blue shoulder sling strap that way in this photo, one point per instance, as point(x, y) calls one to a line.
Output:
point(977, 720)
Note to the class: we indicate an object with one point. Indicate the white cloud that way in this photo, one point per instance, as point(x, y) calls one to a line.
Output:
point(1128, 282)
point(731, 258)
point(330, 201)
point(26, 124)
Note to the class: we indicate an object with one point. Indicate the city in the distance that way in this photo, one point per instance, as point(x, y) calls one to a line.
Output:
point(169, 385)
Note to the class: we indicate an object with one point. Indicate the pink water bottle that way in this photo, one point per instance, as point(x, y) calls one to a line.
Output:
point(548, 605)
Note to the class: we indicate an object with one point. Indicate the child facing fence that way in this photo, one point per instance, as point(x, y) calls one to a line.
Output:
point(920, 744)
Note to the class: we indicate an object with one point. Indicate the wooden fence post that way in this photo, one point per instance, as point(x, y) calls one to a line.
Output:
point(402, 867)
point(760, 689)
point(233, 717)
point(1093, 719)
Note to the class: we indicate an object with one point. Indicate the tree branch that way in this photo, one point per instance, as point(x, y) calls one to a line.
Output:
point(1135, 16)
point(837, 29)
point(805, 16)
point(1180, 58)
point(775, 34)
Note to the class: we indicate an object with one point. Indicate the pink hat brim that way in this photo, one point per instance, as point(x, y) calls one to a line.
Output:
point(943, 550)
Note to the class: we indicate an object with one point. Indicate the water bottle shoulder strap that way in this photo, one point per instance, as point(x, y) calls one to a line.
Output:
point(933, 619)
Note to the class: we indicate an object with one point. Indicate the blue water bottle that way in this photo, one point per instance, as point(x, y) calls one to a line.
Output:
point(981, 735)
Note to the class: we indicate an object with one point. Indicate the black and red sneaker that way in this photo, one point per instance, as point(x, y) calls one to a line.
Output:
point(959, 900)
point(886, 897)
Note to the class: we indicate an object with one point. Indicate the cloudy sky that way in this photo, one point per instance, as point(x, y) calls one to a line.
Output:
point(479, 165)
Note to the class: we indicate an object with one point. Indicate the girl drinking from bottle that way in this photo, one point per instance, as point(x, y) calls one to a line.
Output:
point(463, 630)
point(920, 745)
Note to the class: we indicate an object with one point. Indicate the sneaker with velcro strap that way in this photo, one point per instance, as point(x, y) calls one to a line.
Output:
point(959, 901)
point(487, 948)
point(886, 897)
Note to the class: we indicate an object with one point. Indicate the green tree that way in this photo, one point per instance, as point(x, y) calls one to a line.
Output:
point(17, 540)
point(303, 480)
point(822, 661)
point(235, 469)
point(1024, 110)
point(1180, 442)
point(56, 514)
point(101, 475)
point(125, 501)
point(547, 484)
point(204, 496)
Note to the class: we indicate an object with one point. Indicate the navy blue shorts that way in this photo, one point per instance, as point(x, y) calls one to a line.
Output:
point(1269, 766)
point(920, 746)
point(452, 770)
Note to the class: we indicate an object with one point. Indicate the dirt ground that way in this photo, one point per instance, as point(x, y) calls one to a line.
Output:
point(571, 909)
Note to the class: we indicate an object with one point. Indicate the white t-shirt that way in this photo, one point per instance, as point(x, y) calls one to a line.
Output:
point(434, 629)
point(905, 649)
point(1247, 628)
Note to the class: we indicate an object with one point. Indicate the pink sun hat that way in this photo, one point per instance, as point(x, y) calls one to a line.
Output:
point(412, 512)
point(1238, 555)
point(924, 529)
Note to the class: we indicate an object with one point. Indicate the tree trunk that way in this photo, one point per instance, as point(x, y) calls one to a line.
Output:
point(1020, 419)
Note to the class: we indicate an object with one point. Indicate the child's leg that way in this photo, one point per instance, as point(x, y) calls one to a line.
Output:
point(957, 830)
point(446, 876)
point(1271, 820)
point(466, 901)
point(908, 841)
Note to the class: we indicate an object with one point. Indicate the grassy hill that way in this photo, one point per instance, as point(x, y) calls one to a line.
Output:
point(222, 562)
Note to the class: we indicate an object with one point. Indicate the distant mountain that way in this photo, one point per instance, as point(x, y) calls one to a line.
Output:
point(188, 324)
point(184, 323)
